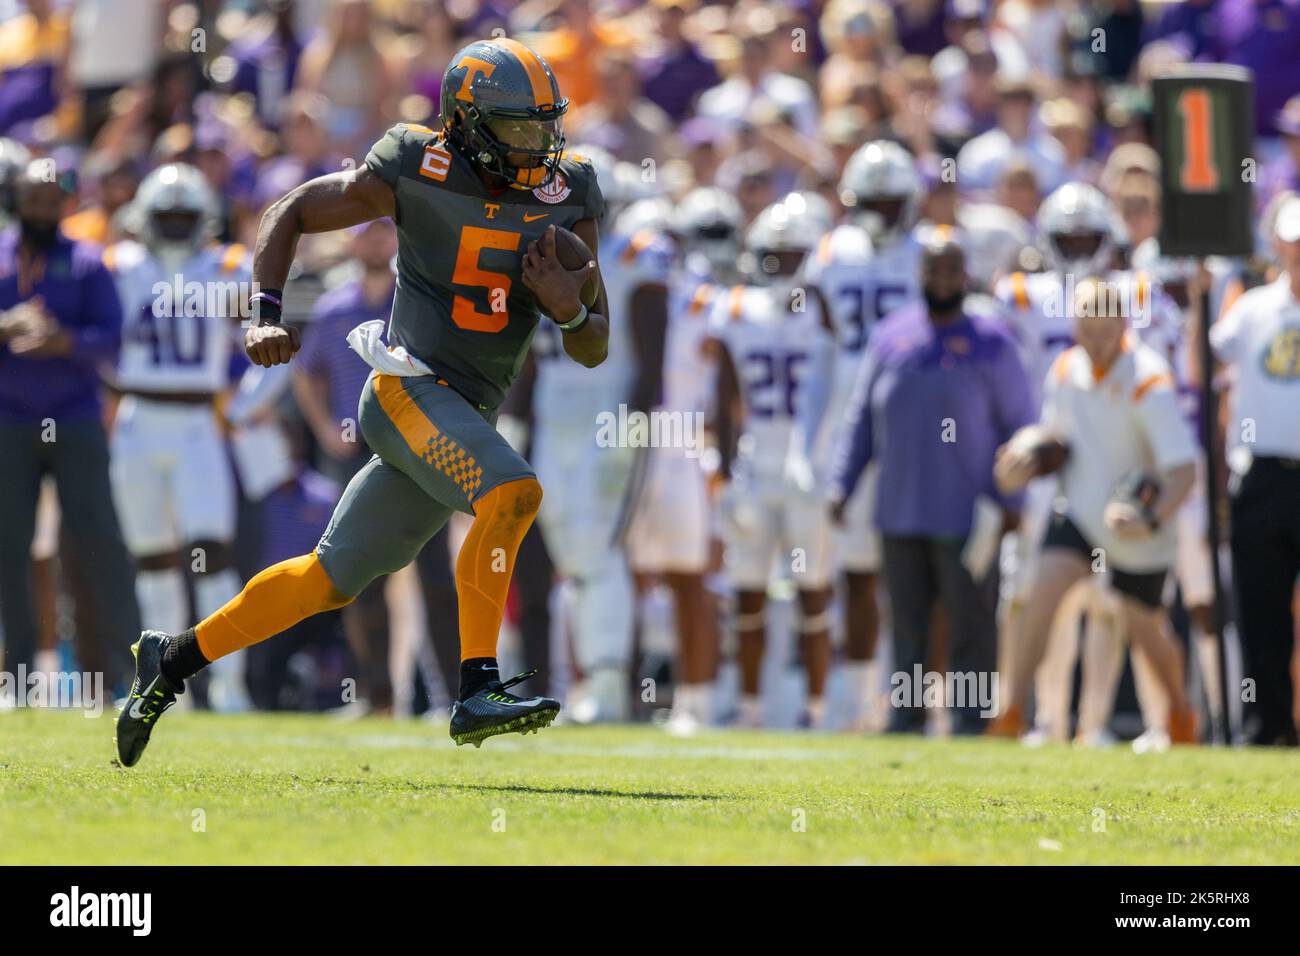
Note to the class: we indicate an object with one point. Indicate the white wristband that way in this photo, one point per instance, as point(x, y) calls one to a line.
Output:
point(577, 321)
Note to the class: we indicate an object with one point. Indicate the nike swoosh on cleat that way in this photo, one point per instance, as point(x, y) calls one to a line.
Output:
point(135, 711)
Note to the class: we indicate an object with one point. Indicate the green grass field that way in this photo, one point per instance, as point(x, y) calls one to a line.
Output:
point(302, 789)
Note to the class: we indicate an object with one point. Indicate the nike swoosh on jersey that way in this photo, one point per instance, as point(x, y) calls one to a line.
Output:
point(534, 218)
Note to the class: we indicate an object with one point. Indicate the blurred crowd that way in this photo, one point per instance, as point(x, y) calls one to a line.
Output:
point(996, 105)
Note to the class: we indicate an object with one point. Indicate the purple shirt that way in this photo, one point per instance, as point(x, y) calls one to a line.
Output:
point(266, 67)
point(673, 81)
point(1192, 26)
point(295, 515)
point(931, 406)
point(924, 37)
point(1278, 176)
point(79, 291)
point(325, 350)
point(1264, 35)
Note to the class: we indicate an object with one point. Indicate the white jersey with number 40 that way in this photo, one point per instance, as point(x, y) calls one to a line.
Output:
point(179, 325)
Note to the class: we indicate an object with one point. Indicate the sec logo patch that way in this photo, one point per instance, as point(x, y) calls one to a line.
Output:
point(557, 190)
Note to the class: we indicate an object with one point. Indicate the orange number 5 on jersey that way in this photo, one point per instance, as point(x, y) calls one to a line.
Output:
point(466, 315)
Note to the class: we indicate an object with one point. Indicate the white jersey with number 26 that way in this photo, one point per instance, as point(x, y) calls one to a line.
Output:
point(775, 353)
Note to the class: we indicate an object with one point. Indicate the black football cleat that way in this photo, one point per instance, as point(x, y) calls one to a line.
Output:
point(491, 710)
point(151, 694)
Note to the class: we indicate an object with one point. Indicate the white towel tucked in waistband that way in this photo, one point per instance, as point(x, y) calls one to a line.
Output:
point(367, 340)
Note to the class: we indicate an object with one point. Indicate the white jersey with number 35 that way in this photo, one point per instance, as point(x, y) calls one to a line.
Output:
point(862, 285)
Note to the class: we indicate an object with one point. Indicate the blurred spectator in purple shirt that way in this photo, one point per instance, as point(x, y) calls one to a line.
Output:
point(1264, 35)
point(265, 60)
point(1192, 24)
point(919, 25)
point(33, 47)
point(939, 391)
point(60, 320)
point(433, 45)
point(678, 72)
point(1283, 173)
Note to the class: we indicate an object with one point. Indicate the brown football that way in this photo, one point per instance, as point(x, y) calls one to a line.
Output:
point(574, 254)
point(1049, 451)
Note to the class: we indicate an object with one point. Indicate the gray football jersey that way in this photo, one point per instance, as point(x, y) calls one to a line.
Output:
point(461, 305)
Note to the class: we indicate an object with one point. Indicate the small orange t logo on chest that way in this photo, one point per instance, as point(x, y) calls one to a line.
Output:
point(491, 209)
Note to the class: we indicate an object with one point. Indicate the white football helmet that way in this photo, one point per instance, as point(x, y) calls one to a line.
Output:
point(175, 212)
point(707, 224)
point(783, 234)
point(654, 213)
point(620, 182)
point(1078, 226)
point(880, 188)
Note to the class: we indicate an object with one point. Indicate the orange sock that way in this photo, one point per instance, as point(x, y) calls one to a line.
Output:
point(272, 601)
point(487, 561)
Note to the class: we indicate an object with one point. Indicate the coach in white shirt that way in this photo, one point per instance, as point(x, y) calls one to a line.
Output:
point(1259, 338)
point(1112, 400)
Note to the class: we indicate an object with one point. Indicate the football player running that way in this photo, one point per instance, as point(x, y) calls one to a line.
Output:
point(776, 362)
point(475, 203)
point(865, 268)
point(172, 480)
point(1172, 287)
point(588, 478)
point(1076, 227)
point(1079, 229)
point(670, 535)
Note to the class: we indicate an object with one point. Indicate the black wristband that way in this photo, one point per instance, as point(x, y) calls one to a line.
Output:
point(265, 306)
point(1149, 516)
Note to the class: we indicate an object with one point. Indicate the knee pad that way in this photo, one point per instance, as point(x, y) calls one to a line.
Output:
point(812, 623)
point(216, 556)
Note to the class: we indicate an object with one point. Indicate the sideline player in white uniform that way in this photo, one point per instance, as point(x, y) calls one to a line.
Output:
point(172, 478)
point(588, 467)
point(776, 369)
point(1112, 399)
point(865, 268)
point(1169, 284)
point(670, 534)
point(1076, 225)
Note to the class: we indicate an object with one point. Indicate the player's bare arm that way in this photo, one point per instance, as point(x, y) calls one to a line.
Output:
point(649, 318)
point(324, 204)
point(728, 404)
point(559, 292)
